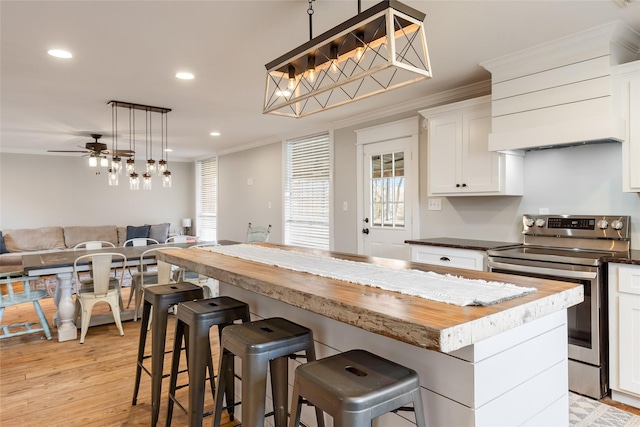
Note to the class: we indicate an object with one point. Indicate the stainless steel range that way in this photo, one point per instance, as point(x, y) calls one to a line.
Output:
point(570, 248)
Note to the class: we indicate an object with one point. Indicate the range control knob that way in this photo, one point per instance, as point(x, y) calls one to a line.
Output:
point(540, 222)
point(617, 224)
point(528, 222)
point(602, 224)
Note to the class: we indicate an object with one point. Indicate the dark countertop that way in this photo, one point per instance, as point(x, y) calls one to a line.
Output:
point(633, 258)
point(476, 245)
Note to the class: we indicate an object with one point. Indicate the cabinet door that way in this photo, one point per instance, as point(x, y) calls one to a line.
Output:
point(480, 167)
point(633, 128)
point(445, 145)
point(629, 357)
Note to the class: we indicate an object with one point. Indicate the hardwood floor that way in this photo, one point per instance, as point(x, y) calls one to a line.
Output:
point(49, 383)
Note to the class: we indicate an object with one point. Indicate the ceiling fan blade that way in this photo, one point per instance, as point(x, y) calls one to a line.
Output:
point(120, 153)
point(67, 151)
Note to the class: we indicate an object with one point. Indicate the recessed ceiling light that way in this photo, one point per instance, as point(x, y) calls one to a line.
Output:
point(168, 150)
point(215, 134)
point(59, 53)
point(185, 76)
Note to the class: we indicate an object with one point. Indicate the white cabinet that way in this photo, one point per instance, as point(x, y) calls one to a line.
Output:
point(450, 257)
point(624, 333)
point(460, 163)
point(628, 100)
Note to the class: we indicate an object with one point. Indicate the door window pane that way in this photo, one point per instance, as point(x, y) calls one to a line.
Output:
point(387, 190)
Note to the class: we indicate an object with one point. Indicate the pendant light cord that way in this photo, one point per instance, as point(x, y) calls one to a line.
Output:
point(310, 13)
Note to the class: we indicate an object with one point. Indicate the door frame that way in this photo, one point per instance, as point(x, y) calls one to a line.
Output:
point(406, 128)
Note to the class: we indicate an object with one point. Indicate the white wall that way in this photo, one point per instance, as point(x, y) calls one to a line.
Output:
point(250, 190)
point(39, 191)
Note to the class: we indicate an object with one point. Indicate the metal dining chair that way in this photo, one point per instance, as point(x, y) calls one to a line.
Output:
point(258, 233)
point(102, 287)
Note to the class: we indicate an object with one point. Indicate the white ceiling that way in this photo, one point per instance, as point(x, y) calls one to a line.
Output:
point(130, 51)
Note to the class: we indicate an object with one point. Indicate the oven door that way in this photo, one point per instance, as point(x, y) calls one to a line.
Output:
point(587, 331)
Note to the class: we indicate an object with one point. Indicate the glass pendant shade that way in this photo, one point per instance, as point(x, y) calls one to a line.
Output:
point(146, 181)
point(116, 165)
point(113, 177)
point(151, 166)
point(166, 179)
point(134, 181)
point(131, 166)
point(104, 162)
point(380, 49)
point(93, 161)
point(162, 167)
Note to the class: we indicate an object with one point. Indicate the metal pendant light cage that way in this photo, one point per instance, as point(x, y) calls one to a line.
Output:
point(380, 49)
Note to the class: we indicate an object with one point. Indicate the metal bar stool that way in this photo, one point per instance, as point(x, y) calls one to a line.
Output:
point(197, 318)
point(258, 344)
point(161, 297)
point(355, 387)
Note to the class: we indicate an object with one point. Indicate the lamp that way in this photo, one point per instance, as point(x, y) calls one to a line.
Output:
point(186, 226)
point(151, 168)
point(380, 49)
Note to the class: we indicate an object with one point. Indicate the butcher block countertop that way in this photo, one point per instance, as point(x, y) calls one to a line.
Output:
point(414, 320)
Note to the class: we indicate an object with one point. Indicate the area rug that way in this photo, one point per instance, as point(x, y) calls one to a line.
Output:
point(585, 412)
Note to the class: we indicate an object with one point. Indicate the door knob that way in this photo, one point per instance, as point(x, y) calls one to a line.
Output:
point(365, 231)
point(366, 220)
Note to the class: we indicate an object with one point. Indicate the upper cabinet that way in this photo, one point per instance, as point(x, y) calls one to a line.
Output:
point(460, 163)
point(627, 79)
point(560, 93)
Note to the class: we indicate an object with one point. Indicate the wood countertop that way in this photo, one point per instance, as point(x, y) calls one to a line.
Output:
point(414, 320)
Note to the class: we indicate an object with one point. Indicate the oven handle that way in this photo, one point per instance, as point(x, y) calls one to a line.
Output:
point(569, 274)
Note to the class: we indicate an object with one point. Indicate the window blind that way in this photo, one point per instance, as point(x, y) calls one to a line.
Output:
point(207, 195)
point(307, 192)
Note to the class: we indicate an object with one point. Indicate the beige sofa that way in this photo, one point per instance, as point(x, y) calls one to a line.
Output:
point(47, 239)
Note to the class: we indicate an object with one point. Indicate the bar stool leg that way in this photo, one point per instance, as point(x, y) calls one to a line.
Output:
point(254, 384)
point(225, 366)
point(310, 353)
point(158, 330)
point(279, 376)
point(197, 350)
point(175, 366)
point(146, 310)
point(418, 408)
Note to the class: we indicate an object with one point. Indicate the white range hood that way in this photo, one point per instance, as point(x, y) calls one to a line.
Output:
point(560, 93)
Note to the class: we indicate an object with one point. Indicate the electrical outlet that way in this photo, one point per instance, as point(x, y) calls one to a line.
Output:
point(435, 204)
point(249, 181)
point(345, 207)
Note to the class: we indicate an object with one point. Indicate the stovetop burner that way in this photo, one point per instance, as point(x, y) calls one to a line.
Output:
point(570, 239)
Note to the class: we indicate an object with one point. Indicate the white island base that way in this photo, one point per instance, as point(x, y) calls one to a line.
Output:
point(516, 378)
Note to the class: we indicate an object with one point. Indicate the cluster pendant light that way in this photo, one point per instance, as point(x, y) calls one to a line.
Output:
point(161, 168)
point(377, 50)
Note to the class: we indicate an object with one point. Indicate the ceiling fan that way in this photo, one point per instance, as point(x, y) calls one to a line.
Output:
point(97, 149)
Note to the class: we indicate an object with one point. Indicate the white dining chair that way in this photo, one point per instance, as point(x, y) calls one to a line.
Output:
point(102, 287)
point(93, 244)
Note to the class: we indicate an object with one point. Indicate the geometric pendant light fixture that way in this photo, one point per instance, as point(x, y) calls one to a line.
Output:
point(380, 49)
point(161, 168)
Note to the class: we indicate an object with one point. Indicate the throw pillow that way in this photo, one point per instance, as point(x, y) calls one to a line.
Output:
point(3, 249)
point(159, 232)
point(137, 232)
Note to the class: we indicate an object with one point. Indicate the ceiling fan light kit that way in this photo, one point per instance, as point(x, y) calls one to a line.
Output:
point(161, 168)
point(380, 49)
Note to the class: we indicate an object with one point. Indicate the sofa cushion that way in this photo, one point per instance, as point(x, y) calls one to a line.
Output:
point(78, 234)
point(122, 235)
point(3, 248)
point(159, 232)
point(137, 232)
point(34, 239)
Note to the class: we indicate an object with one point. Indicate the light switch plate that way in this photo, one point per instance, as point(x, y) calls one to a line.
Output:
point(435, 204)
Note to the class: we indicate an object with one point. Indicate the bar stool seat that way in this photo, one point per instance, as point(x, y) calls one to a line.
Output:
point(355, 387)
point(161, 298)
point(258, 344)
point(196, 319)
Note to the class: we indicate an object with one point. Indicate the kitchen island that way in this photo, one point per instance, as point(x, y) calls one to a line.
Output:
point(503, 364)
